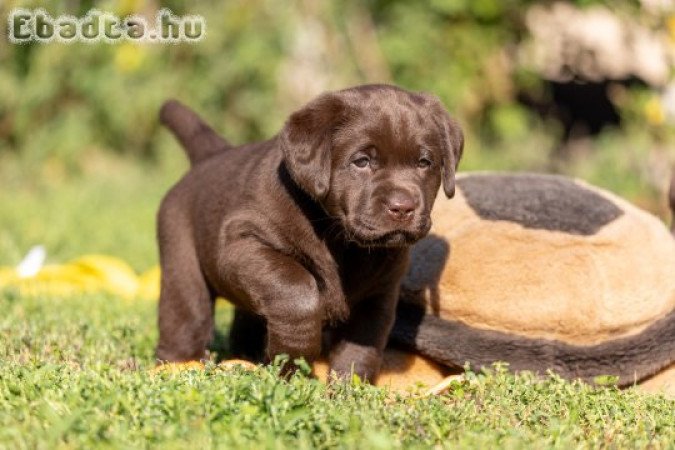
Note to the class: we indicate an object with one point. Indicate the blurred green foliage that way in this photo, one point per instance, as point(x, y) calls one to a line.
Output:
point(62, 100)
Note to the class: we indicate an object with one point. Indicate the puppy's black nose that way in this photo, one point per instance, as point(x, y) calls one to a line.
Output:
point(401, 207)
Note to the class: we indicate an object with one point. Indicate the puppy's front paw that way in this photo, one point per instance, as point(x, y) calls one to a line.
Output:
point(350, 359)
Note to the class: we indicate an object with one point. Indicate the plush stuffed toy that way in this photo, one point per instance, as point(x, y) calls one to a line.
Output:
point(542, 272)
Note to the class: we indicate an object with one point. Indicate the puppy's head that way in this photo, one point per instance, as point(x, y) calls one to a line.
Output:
point(374, 157)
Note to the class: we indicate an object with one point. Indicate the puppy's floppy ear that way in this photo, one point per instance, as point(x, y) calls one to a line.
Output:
point(306, 142)
point(452, 153)
point(452, 145)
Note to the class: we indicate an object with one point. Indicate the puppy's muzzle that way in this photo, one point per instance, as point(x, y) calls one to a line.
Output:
point(401, 207)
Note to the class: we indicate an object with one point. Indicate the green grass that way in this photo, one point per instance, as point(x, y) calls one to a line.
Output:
point(109, 208)
point(74, 374)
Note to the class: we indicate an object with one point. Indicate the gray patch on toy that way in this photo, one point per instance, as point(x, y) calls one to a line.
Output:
point(544, 202)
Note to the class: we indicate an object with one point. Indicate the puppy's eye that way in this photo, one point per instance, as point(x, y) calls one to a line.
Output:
point(361, 162)
point(424, 163)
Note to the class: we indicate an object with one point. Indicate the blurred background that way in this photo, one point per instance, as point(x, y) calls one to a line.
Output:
point(582, 87)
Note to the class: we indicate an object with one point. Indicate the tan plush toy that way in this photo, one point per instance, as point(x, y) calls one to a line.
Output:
point(543, 272)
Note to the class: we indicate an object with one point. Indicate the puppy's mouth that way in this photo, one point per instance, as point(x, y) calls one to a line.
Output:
point(368, 235)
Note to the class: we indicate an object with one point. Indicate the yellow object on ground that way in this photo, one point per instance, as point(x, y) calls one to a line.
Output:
point(178, 367)
point(86, 274)
point(198, 365)
point(148, 284)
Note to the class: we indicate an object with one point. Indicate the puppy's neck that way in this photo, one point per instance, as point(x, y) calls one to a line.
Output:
point(321, 222)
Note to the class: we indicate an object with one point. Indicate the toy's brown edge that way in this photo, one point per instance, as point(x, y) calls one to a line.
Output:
point(455, 344)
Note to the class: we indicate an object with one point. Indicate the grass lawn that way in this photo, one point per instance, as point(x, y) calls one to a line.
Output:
point(74, 371)
point(74, 374)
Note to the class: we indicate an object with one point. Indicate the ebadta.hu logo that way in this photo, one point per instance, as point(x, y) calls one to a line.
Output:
point(36, 25)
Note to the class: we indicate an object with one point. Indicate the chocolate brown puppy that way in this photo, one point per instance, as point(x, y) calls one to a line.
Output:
point(304, 233)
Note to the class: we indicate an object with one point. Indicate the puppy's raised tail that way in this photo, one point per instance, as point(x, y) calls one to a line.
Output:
point(198, 139)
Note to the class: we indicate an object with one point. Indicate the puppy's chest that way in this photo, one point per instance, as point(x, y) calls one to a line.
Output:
point(367, 273)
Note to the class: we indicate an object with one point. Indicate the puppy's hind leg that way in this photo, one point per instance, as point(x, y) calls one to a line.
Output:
point(186, 305)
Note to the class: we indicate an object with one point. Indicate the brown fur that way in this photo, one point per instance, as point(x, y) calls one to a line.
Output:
point(305, 233)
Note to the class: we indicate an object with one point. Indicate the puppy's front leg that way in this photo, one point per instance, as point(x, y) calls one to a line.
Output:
point(360, 342)
point(280, 289)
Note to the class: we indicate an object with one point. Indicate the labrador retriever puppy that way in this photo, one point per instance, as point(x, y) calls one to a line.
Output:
point(306, 232)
